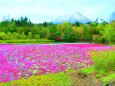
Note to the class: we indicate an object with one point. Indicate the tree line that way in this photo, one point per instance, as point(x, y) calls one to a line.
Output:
point(24, 29)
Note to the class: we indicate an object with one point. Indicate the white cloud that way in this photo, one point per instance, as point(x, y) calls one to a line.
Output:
point(100, 9)
point(94, 11)
point(37, 10)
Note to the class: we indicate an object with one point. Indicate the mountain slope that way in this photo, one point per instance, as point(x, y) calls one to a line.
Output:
point(72, 18)
point(112, 17)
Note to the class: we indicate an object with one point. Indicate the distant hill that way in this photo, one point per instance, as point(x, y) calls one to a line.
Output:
point(112, 17)
point(72, 18)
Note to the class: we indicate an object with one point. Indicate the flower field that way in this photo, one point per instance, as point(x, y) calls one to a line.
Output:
point(23, 61)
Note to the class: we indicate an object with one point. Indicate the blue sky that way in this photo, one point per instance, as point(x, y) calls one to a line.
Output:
point(48, 10)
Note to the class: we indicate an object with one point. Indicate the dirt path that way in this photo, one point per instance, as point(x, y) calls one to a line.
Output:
point(81, 79)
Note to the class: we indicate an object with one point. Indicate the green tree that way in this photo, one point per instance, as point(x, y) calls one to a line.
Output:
point(23, 36)
point(16, 36)
point(109, 34)
point(30, 35)
point(52, 32)
point(2, 35)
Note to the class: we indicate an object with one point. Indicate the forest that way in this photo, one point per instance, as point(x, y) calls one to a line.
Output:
point(24, 29)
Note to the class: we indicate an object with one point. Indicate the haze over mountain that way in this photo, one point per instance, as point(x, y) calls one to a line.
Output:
point(112, 17)
point(72, 18)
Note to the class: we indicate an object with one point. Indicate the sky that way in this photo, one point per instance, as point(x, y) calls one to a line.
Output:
point(49, 10)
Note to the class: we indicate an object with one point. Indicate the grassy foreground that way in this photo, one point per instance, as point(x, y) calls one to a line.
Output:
point(89, 76)
point(32, 41)
point(60, 79)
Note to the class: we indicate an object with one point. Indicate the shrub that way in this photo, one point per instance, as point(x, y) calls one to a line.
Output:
point(58, 38)
point(104, 60)
point(2, 34)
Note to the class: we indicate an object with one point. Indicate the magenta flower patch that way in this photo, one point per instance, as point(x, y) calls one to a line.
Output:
point(18, 61)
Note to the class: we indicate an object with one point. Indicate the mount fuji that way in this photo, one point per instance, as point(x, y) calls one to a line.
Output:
point(72, 18)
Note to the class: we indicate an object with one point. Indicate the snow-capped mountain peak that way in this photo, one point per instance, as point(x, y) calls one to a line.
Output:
point(72, 18)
